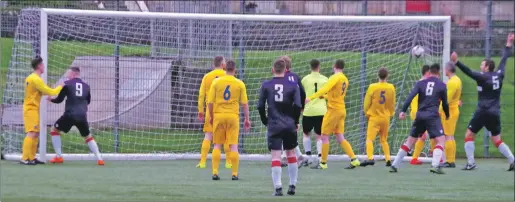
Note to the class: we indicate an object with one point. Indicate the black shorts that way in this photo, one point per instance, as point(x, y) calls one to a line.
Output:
point(284, 140)
point(491, 121)
point(433, 126)
point(65, 123)
point(312, 122)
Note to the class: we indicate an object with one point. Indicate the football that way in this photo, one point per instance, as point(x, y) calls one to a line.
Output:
point(417, 51)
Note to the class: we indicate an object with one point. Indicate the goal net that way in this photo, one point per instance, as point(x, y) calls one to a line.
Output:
point(145, 69)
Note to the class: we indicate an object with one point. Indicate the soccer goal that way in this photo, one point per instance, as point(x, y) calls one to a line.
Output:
point(145, 69)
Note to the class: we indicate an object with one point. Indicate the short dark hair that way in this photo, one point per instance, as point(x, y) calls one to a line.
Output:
point(279, 66)
point(75, 69)
point(36, 62)
point(218, 61)
point(490, 64)
point(230, 66)
point(287, 61)
point(339, 64)
point(314, 64)
point(435, 68)
point(382, 73)
point(425, 69)
point(451, 67)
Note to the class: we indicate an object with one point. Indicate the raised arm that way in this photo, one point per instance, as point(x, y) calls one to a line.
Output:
point(262, 104)
point(506, 53)
point(410, 97)
point(325, 89)
point(472, 74)
point(61, 96)
point(43, 88)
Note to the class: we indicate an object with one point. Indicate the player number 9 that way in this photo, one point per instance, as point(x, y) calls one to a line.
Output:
point(227, 93)
point(78, 89)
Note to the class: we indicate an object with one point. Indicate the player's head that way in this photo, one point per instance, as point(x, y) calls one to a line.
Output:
point(425, 71)
point(279, 67)
point(73, 72)
point(315, 65)
point(219, 62)
point(487, 65)
point(450, 69)
point(382, 73)
point(434, 69)
point(339, 65)
point(287, 61)
point(37, 64)
point(230, 67)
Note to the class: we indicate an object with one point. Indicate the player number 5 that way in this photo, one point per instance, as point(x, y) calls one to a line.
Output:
point(495, 81)
point(78, 89)
point(383, 98)
point(279, 90)
point(429, 88)
point(227, 93)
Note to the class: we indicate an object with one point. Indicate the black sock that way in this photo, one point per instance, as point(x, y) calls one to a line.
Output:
point(308, 153)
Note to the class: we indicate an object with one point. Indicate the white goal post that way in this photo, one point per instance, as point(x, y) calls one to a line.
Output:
point(146, 123)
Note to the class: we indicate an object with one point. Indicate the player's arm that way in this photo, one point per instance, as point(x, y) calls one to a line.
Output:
point(302, 93)
point(211, 98)
point(262, 104)
point(89, 96)
point(391, 103)
point(297, 105)
point(61, 96)
point(445, 103)
point(325, 89)
point(43, 88)
point(244, 102)
point(506, 53)
point(368, 99)
point(410, 97)
point(201, 96)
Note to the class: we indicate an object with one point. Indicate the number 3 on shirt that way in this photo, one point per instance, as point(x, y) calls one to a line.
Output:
point(78, 89)
point(227, 93)
point(279, 90)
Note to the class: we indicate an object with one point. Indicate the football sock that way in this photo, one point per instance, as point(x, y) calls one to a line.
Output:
point(325, 152)
point(319, 147)
point(206, 146)
point(34, 149)
point(437, 156)
point(469, 150)
point(505, 150)
point(276, 173)
point(348, 149)
point(92, 144)
point(386, 150)
point(403, 151)
point(235, 160)
point(432, 144)
point(27, 149)
point(450, 151)
point(370, 149)
point(56, 142)
point(217, 154)
point(227, 151)
point(419, 145)
point(298, 152)
point(293, 170)
point(307, 144)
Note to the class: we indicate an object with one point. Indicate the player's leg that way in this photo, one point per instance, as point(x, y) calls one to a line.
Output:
point(64, 124)
point(494, 126)
point(218, 140)
point(275, 147)
point(83, 126)
point(227, 151)
point(289, 142)
point(449, 127)
point(206, 143)
point(232, 133)
point(417, 130)
point(435, 131)
point(419, 146)
point(327, 129)
point(372, 130)
point(345, 145)
point(307, 126)
point(318, 132)
point(475, 124)
point(31, 125)
point(383, 139)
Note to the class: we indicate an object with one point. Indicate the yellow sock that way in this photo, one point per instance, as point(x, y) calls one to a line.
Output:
point(386, 150)
point(450, 151)
point(348, 149)
point(227, 151)
point(370, 149)
point(204, 150)
point(217, 155)
point(26, 148)
point(419, 145)
point(432, 144)
point(35, 142)
point(235, 159)
point(325, 152)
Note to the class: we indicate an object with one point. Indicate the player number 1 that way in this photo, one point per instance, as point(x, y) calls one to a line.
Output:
point(78, 89)
point(316, 87)
point(227, 93)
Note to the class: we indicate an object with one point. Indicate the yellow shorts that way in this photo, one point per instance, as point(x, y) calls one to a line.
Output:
point(334, 122)
point(449, 126)
point(31, 121)
point(377, 125)
point(226, 128)
point(208, 128)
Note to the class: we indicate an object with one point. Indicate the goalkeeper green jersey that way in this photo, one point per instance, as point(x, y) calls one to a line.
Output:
point(312, 83)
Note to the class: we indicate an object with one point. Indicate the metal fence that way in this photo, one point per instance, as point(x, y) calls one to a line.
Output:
point(479, 27)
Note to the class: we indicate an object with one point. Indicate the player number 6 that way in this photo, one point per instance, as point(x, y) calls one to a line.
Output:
point(227, 93)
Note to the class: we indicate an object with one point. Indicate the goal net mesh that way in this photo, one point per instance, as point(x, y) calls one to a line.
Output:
point(145, 74)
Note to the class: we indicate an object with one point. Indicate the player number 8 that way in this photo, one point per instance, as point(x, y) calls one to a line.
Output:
point(227, 93)
point(78, 89)
point(279, 96)
point(429, 88)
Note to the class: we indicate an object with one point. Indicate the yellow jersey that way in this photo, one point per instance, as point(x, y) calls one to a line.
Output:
point(414, 105)
point(226, 94)
point(380, 100)
point(205, 85)
point(454, 92)
point(336, 89)
point(35, 87)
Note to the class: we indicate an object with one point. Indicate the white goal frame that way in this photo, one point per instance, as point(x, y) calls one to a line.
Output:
point(43, 155)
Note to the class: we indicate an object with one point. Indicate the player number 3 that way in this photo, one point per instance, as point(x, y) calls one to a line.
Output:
point(279, 90)
point(78, 89)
